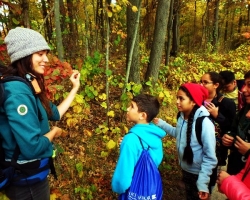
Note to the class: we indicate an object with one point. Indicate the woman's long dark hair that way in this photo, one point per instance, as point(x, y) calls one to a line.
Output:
point(21, 68)
point(188, 152)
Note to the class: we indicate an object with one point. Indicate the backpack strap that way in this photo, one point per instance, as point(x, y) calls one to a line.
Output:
point(198, 128)
point(220, 99)
point(8, 79)
point(142, 144)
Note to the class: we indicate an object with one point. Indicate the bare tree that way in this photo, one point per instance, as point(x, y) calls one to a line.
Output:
point(161, 22)
point(133, 42)
point(59, 43)
point(25, 13)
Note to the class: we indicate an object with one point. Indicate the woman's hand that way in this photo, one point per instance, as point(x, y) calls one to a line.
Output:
point(203, 195)
point(227, 140)
point(75, 79)
point(54, 133)
point(58, 131)
point(212, 109)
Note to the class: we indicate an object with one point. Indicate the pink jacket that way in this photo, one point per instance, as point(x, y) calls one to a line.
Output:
point(233, 186)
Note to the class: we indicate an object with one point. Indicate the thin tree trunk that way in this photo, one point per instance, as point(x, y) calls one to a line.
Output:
point(160, 30)
point(175, 29)
point(25, 13)
point(216, 25)
point(169, 37)
point(59, 43)
point(133, 65)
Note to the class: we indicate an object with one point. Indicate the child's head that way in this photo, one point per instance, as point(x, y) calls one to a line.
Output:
point(228, 80)
point(189, 95)
point(143, 107)
point(212, 81)
point(246, 87)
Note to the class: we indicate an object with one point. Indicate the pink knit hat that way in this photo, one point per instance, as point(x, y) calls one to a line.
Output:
point(197, 91)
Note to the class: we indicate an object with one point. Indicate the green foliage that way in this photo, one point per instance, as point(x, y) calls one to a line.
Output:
point(99, 141)
point(86, 192)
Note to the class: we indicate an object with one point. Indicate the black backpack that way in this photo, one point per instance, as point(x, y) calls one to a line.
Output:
point(198, 127)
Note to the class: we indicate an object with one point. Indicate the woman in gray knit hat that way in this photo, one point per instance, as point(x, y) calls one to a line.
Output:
point(25, 113)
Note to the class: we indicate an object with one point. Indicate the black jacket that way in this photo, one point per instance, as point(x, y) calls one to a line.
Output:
point(227, 112)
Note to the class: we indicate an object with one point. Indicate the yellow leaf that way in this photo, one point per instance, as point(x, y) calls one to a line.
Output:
point(134, 9)
point(87, 132)
point(80, 174)
point(111, 113)
point(161, 95)
point(120, 85)
point(68, 115)
point(104, 105)
point(102, 96)
point(104, 154)
point(110, 14)
point(111, 144)
point(126, 129)
point(79, 99)
point(53, 196)
point(71, 122)
point(117, 105)
point(77, 109)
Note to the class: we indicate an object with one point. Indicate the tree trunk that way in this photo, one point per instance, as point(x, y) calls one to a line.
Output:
point(175, 29)
point(216, 25)
point(59, 43)
point(73, 35)
point(169, 36)
point(134, 74)
point(25, 13)
point(161, 22)
point(48, 30)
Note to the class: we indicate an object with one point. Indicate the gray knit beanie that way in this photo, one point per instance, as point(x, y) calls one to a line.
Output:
point(22, 42)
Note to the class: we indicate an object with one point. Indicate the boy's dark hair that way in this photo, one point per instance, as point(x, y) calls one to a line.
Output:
point(227, 76)
point(247, 75)
point(148, 104)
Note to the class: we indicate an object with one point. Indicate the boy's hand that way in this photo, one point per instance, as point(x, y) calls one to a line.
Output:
point(156, 120)
point(241, 145)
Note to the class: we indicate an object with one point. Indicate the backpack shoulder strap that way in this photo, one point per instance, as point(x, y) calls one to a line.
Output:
point(198, 128)
point(178, 115)
point(220, 99)
point(8, 79)
point(142, 144)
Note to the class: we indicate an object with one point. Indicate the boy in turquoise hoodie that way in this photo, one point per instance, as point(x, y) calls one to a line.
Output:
point(142, 110)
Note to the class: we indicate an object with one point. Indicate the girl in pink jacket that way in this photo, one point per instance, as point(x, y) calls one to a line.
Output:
point(236, 187)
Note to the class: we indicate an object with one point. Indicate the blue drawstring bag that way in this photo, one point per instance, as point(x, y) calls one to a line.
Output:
point(146, 182)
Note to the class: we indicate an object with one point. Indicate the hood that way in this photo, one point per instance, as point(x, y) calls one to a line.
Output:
point(149, 133)
point(201, 111)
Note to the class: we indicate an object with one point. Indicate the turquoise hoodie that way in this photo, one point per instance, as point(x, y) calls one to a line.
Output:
point(23, 120)
point(130, 151)
point(204, 160)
